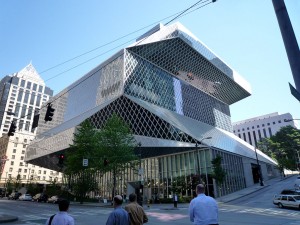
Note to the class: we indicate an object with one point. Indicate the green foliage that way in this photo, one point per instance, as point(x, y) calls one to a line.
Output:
point(179, 184)
point(53, 189)
point(114, 142)
point(219, 173)
point(117, 145)
point(284, 147)
point(9, 185)
point(81, 178)
point(84, 147)
point(17, 182)
point(33, 188)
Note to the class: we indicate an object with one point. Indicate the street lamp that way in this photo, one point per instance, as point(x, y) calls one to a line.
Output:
point(259, 168)
point(141, 175)
point(198, 160)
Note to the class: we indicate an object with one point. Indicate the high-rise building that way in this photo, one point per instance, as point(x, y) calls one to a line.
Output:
point(252, 130)
point(21, 96)
point(175, 95)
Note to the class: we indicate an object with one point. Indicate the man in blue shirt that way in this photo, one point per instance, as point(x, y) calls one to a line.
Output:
point(203, 210)
point(119, 216)
point(62, 217)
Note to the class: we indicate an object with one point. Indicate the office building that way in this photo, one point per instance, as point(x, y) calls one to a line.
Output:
point(254, 129)
point(175, 95)
point(21, 96)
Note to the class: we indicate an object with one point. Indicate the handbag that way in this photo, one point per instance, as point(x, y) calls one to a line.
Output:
point(50, 220)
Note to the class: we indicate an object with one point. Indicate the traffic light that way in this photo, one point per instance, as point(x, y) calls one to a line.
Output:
point(61, 159)
point(35, 122)
point(105, 162)
point(49, 113)
point(12, 129)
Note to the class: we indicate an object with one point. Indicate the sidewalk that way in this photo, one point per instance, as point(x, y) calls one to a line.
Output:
point(252, 189)
point(223, 199)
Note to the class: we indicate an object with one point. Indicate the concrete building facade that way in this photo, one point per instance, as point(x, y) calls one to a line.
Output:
point(254, 129)
point(21, 96)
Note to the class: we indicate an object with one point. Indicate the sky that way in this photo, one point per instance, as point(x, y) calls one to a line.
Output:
point(66, 39)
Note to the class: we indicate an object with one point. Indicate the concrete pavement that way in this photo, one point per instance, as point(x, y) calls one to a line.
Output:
point(223, 199)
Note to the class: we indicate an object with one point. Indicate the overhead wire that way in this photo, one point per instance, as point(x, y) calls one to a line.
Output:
point(179, 14)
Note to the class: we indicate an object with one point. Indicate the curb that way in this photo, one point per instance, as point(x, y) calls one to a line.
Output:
point(246, 194)
point(7, 218)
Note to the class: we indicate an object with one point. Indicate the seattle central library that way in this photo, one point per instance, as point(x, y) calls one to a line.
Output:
point(173, 92)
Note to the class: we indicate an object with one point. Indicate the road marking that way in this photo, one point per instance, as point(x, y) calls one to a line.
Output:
point(267, 211)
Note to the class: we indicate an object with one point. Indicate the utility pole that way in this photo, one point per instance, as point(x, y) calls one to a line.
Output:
point(290, 43)
point(259, 168)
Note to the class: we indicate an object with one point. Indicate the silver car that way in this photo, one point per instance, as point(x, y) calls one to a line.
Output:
point(287, 201)
point(25, 197)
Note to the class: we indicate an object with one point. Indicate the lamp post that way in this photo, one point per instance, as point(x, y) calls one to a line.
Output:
point(259, 168)
point(141, 175)
point(198, 161)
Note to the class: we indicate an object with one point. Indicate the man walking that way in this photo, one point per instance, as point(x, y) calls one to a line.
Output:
point(62, 217)
point(203, 210)
point(137, 215)
point(119, 216)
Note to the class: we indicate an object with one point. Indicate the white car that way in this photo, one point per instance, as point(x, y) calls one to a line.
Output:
point(25, 197)
point(287, 201)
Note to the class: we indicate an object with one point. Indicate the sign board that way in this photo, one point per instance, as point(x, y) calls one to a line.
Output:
point(141, 171)
point(85, 162)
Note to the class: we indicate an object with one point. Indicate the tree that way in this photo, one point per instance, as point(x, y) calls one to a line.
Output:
point(82, 179)
point(284, 147)
point(17, 182)
point(219, 173)
point(117, 147)
point(179, 184)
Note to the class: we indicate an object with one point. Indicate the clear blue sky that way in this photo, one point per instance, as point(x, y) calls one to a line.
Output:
point(245, 34)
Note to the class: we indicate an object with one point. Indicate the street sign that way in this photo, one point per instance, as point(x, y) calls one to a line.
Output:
point(141, 171)
point(85, 162)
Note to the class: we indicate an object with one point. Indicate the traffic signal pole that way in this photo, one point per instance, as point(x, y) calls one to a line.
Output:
point(290, 43)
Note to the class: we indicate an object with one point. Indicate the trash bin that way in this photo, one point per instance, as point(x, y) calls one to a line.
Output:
point(104, 200)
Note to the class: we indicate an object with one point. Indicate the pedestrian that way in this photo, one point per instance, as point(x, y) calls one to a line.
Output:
point(137, 215)
point(203, 210)
point(62, 217)
point(175, 198)
point(119, 216)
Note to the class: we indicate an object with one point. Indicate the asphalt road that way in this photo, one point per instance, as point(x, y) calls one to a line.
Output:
point(256, 208)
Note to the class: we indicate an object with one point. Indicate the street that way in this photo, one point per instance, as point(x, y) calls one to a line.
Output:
point(256, 208)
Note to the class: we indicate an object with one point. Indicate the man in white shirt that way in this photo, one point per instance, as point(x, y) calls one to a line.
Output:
point(62, 217)
point(203, 210)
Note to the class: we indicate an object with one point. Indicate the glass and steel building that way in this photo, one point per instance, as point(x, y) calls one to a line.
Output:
point(173, 92)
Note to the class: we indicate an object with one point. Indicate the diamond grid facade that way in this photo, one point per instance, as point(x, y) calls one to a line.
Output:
point(151, 83)
point(173, 92)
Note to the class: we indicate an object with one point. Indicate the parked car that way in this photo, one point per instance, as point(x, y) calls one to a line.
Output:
point(36, 197)
point(14, 196)
point(40, 197)
point(25, 197)
point(290, 192)
point(54, 199)
point(2, 192)
point(287, 201)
